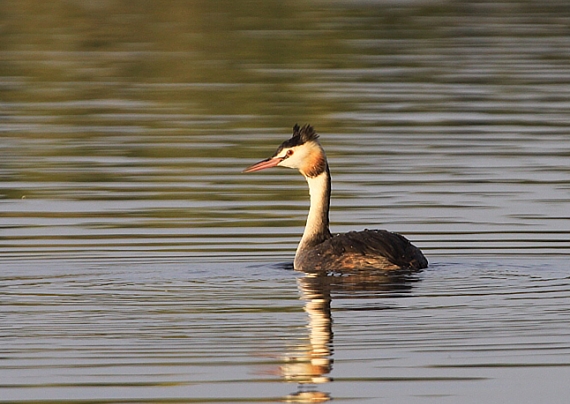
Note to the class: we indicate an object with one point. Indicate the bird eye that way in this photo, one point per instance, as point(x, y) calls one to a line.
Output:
point(289, 153)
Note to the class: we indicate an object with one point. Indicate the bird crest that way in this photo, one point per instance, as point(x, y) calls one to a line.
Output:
point(301, 135)
point(304, 134)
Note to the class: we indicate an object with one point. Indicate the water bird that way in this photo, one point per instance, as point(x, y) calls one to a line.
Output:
point(319, 250)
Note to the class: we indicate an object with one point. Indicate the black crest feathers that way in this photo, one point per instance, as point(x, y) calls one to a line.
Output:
point(305, 134)
point(301, 135)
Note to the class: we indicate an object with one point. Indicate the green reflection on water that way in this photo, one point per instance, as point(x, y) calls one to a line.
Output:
point(133, 102)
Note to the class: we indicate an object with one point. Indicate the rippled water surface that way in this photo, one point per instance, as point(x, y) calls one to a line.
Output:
point(138, 264)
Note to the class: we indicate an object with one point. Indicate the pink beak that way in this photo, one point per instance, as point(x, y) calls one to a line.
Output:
point(263, 164)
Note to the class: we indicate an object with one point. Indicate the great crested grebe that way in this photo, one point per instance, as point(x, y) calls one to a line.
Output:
point(319, 250)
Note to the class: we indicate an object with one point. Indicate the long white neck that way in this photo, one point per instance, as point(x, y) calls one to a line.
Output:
point(317, 227)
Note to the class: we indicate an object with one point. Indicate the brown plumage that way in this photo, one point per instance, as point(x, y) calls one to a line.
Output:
point(367, 249)
point(319, 250)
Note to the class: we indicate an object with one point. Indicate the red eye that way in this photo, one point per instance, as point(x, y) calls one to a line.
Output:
point(289, 153)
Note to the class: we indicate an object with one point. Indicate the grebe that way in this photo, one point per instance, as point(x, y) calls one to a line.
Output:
point(319, 250)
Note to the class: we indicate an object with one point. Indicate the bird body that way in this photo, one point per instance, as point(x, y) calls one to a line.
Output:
point(318, 249)
point(367, 249)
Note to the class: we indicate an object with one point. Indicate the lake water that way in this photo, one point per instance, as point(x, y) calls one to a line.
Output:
point(139, 265)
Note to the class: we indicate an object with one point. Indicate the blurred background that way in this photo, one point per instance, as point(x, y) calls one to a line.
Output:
point(139, 264)
point(124, 125)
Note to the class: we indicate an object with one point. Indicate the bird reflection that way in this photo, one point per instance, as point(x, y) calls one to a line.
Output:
point(313, 364)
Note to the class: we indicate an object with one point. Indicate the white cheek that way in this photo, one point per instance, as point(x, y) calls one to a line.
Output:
point(288, 162)
point(293, 161)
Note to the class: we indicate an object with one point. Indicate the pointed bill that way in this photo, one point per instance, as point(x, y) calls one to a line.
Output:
point(263, 164)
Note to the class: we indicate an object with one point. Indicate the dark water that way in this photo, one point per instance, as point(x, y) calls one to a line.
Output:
point(138, 264)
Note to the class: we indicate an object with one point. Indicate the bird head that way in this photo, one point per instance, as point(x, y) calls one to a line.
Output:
point(302, 152)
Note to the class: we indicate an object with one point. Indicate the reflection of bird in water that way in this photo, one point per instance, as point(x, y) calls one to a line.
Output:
point(312, 365)
point(314, 362)
point(319, 250)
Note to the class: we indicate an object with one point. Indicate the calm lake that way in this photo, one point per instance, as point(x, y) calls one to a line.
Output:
point(138, 264)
